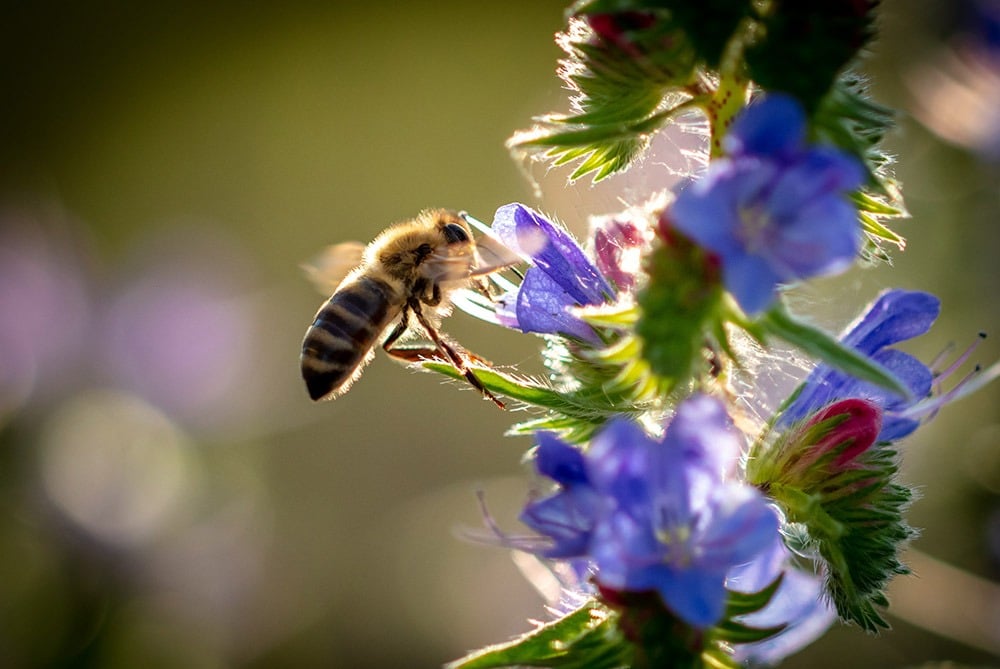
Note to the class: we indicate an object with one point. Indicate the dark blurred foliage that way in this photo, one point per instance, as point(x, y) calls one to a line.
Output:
point(170, 496)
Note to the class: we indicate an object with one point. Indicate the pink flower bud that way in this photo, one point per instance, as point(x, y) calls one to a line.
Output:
point(617, 243)
point(853, 426)
point(618, 28)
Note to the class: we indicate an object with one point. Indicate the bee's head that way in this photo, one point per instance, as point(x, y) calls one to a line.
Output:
point(453, 253)
point(436, 246)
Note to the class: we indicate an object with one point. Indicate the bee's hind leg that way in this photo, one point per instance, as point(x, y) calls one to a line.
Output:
point(442, 351)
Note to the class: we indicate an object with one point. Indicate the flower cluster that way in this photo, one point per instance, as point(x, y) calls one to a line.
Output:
point(809, 521)
point(667, 515)
point(693, 538)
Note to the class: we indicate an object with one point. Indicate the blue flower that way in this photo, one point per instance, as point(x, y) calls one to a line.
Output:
point(656, 515)
point(561, 276)
point(895, 316)
point(774, 209)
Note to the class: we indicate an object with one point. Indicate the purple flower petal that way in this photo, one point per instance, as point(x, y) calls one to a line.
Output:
point(800, 603)
point(558, 461)
point(774, 125)
point(567, 518)
point(562, 276)
point(895, 316)
point(810, 613)
point(709, 210)
point(698, 596)
point(702, 430)
point(816, 243)
point(752, 281)
point(618, 461)
point(553, 251)
point(815, 173)
point(742, 525)
point(624, 544)
point(505, 308)
point(543, 306)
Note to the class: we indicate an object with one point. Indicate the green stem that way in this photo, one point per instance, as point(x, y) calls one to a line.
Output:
point(725, 104)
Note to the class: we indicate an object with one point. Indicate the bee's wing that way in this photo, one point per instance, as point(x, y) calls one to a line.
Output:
point(493, 256)
point(332, 264)
point(488, 256)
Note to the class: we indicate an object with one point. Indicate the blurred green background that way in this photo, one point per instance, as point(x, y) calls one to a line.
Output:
point(170, 496)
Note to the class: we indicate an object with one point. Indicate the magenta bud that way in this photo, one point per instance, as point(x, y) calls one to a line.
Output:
point(617, 27)
point(615, 243)
point(853, 426)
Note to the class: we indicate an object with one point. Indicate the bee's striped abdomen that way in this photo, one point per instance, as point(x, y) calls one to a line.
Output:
point(340, 340)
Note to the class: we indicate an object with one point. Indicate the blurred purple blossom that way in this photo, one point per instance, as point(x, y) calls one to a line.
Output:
point(178, 330)
point(180, 333)
point(774, 209)
point(46, 308)
point(956, 93)
point(561, 276)
point(656, 515)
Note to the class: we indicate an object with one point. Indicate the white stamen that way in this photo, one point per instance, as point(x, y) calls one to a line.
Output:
point(474, 304)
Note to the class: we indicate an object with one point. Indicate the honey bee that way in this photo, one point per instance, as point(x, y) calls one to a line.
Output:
point(407, 273)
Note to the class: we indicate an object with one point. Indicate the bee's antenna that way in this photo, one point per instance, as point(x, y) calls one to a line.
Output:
point(488, 231)
point(475, 222)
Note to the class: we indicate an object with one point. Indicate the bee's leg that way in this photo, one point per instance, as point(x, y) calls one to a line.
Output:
point(410, 354)
point(443, 350)
point(447, 354)
point(434, 297)
point(416, 354)
point(397, 332)
point(484, 288)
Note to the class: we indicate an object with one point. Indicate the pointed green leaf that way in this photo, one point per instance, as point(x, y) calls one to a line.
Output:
point(570, 430)
point(742, 603)
point(582, 638)
point(829, 349)
point(734, 632)
point(523, 390)
point(868, 202)
point(872, 226)
point(578, 139)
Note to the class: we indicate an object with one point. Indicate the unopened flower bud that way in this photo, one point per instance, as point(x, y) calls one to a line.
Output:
point(619, 28)
point(617, 245)
point(846, 429)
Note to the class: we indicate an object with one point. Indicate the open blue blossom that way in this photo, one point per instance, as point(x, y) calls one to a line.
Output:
point(895, 316)
point(561, 276)
point(656, 515)
point(773, 210)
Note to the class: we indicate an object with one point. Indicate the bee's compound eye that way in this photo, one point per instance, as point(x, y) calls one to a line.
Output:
point(454, 233)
